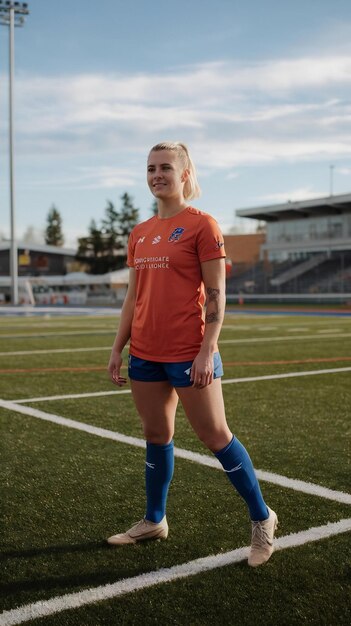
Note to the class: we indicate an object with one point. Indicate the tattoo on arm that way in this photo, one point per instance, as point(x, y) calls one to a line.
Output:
point(213, 294)
point(211, 317)
point(213, 297)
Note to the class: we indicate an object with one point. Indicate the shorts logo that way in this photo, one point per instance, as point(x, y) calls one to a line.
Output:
point(156, 240)
point(176, 235)
point(187, 372)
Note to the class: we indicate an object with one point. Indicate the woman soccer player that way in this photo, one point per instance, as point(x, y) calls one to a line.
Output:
point(176, 262)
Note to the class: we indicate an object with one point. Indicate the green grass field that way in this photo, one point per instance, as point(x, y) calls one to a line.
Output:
point(64, 490)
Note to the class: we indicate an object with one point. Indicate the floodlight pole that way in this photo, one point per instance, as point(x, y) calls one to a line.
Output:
point(11, 15)
point(13, 255)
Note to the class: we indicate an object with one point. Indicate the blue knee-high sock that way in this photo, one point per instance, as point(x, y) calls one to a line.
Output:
point(158, 475)
point(240, 471)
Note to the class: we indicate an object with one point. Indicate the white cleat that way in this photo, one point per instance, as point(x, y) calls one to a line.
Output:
point(262, 540)
point(141, 531)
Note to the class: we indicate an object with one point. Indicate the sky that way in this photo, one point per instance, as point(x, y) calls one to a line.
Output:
point(259, 90)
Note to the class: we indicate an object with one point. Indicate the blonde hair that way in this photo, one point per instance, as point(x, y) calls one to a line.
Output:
point(191, 185)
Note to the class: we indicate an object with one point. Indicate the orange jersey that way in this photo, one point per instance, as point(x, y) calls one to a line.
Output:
point(167, 254)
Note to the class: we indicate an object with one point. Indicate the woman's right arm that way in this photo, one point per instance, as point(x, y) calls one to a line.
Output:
point(123, 333)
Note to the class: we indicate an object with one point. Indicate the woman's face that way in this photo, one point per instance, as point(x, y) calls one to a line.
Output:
point(166, 175)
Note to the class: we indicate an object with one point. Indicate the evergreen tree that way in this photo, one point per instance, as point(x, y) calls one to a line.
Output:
point(128, 218)
point(104, 246)
point(53, 232)
point(83, 246)
point(96, 238)
point(93, 245)
point(111, 229)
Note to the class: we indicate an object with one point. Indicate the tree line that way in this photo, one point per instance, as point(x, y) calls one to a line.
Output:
point(105, 245)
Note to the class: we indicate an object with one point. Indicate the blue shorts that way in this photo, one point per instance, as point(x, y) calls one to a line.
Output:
point(178, 374)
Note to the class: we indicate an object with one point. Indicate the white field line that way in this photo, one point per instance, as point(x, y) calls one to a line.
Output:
point(73, 396)
point(40, 323)
point(298, 329)
point(43, 608)
point(35, 335)
point(238, 327)
point(195, 457)
point(54, 351)
point(225, 381)
point(288, 327)
point(86, 311)
point(264, 329)
point(286, 375)
point(221, 341)
point(72, 324)
point(285, 338)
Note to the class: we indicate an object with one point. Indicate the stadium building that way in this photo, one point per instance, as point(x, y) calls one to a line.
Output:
point(307, 249)
point(37, 260)
point(51, 275)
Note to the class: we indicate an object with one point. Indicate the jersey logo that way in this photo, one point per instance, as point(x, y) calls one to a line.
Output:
point(176, 235)
point(141, 240)
point(219, 243)
point(156, 239)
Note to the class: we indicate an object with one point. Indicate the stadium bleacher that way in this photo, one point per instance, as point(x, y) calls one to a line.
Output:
point(332, 275)
point(307, 249)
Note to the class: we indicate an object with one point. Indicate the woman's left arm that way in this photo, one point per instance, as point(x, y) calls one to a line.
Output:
point(213, 275)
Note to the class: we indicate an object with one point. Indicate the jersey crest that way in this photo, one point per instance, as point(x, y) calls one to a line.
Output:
point(176, 235)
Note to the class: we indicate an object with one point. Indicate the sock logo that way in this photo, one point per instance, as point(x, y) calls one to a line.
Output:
point(150, 465)
point(234, 469)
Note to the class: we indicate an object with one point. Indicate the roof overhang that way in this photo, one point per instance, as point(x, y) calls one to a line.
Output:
point(318, 207)
point(33, 247)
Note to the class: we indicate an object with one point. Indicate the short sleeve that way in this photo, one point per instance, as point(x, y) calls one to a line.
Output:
point(209, 240)
point(131, 249)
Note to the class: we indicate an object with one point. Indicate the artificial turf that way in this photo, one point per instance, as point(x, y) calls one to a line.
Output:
point(64, 491)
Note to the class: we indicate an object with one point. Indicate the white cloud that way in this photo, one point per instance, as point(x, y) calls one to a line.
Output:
point(226, 154)
point(232, 114)
point(108, 177)
point(303, 193)
point(292, 74)
point(88, 178)
point(52, 103)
